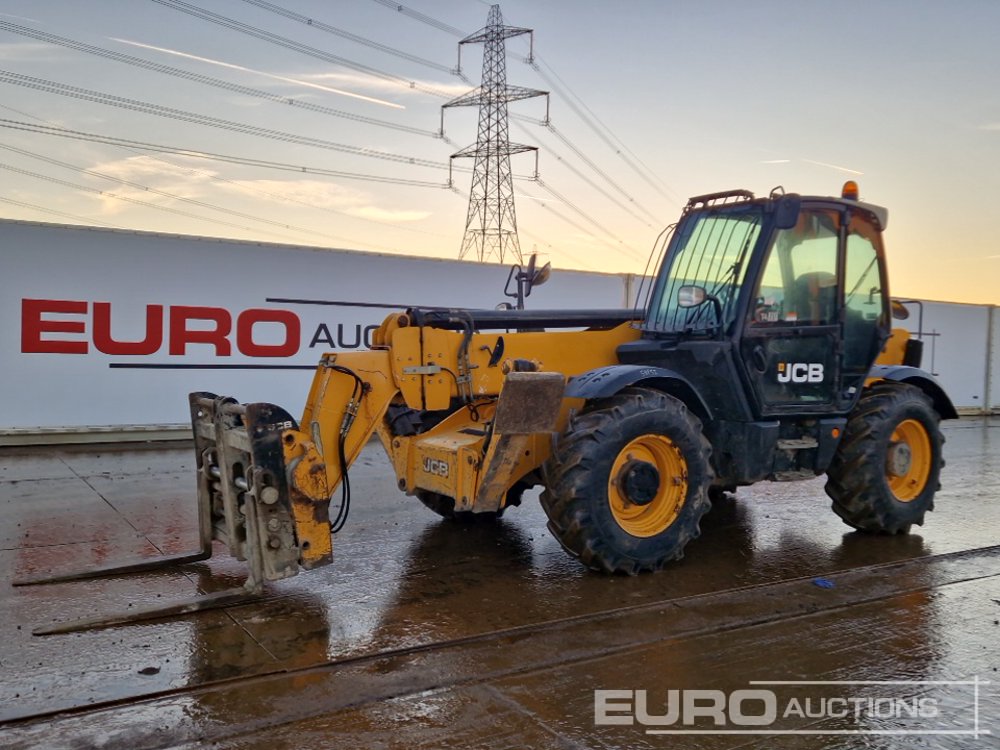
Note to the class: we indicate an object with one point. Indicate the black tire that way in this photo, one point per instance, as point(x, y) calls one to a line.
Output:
point(594, 518)
point(887, 467)
point(444, 506)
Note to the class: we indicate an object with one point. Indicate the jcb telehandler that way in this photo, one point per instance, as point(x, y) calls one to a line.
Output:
point(764, 351)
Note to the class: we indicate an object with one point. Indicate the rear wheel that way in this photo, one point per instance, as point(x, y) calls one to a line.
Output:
point(627, 483)
point(886, 470)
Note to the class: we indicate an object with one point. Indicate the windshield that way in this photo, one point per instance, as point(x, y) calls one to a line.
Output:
point(711, 250)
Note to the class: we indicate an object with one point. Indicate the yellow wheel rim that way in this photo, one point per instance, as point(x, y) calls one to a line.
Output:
point(909, 460)
point(667, 487)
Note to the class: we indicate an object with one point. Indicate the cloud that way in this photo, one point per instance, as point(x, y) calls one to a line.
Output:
point(776, 161)
point(314, 193)
point(148, 172)
point(35, 51)
point(990, 126)
point(20, 18)
point(272, 76)
point(833, 166)
point(383, 214)
point(139, 168)
point(327, 195)
point(372, 83)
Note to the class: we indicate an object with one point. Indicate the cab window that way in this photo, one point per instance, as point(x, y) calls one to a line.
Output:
point(798, 285)
point(864, 299)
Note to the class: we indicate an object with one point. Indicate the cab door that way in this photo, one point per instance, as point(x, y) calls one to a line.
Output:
point(791, 342)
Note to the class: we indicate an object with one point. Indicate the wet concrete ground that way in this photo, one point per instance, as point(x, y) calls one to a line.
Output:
point(431, 634)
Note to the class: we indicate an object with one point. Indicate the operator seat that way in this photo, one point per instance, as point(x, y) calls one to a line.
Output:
point(814, 298)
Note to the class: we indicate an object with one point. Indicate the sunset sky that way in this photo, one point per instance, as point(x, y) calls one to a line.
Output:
point(651, 102)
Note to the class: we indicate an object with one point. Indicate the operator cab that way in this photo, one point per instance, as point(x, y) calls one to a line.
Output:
point(787, 292)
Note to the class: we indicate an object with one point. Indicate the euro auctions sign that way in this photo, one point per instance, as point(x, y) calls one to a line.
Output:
point(50, 326)
point(111, 328)
point(897, 708)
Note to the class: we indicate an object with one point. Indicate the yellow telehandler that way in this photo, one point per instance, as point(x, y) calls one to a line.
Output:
point(762, 349)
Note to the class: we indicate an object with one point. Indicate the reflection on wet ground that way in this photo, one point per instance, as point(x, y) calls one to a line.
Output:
point(431, 634)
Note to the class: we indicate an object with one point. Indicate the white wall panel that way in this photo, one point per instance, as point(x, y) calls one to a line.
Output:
point(995, 360)
point(955, 348)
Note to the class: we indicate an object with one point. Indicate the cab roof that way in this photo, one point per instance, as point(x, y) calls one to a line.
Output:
point(739, 197)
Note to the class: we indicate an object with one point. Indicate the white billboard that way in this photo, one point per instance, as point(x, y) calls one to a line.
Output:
point(104, 327)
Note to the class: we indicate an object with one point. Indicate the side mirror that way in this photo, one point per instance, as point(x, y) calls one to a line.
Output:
point(526, 279)
point(691, 296)
point(786, 211)
point(542, 275)
point(899, 311)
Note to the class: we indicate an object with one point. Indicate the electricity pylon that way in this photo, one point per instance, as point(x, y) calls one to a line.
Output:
point(491, 226)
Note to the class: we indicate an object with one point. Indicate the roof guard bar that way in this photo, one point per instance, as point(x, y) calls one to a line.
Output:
point(723, 197)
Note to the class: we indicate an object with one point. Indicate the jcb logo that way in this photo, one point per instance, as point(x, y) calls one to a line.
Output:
point(436, 467)
point(800, 372)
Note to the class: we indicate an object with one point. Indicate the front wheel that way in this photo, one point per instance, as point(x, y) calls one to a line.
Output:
point(627, 483)
point(887, 467)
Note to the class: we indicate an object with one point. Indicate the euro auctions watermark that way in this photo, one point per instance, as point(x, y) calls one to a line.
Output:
point(802, 707)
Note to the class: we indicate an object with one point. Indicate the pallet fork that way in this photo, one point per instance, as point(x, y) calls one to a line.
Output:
point(243, 502)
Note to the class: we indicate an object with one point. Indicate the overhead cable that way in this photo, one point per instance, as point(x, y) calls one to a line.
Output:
point(135, 105)
point(61, 214)
point(321, 26)
point(139, 62)
point(579, 173)
point(291, 44)
point(79, 135)
point(425, 19)
point(618, 246)
point(155, 191)
point(126, 199)
point(600, 129)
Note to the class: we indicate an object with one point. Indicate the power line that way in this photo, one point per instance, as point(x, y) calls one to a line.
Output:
point(620, 246)
point(316, 24)
point(291, 44)
point(422, 18)
point(139, 62)
point(553, 250)
point(79, 135)
point(126, 199)
point(135, 105)
point(579, 173)
point(145, 150)
point(607, 178)
point(176, 211)
point(154, 191)
point(62, 214)
point(603, 131)
point(569, 97)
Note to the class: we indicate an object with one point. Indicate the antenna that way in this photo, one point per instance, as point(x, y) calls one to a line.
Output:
point(491, 225)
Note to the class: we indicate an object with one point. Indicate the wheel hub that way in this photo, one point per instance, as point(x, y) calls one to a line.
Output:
point(899, 459)
point(639, 481)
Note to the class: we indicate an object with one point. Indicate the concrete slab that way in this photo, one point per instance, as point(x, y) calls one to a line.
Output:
point(420, 620)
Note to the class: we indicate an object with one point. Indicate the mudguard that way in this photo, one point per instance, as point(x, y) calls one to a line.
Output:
point(920, 378)
point(607, 381)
